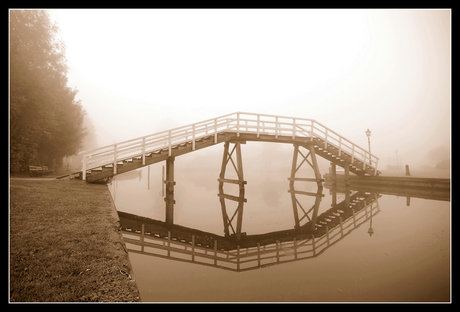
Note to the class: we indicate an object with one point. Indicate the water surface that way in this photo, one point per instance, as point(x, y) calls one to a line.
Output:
point(407, 258)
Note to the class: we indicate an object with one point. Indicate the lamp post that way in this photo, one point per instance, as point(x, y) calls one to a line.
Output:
point(368, 133)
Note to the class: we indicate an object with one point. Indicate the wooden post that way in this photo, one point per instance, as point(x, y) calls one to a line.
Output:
point(239, 161)
point(169, 243)
point(143, 151)
point(221, 188)
point(315, 165)
point(193, 137)
point(169, 199)
point(333, 174)
point(148, 178)
point(291, 186)
point(407, 171)
point(347, 174)
point(293, 129)
point(215, 131)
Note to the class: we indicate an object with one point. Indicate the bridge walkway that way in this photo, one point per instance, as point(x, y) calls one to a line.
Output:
point(129, 155)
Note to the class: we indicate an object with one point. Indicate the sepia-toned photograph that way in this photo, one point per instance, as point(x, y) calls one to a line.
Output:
point(229, 156)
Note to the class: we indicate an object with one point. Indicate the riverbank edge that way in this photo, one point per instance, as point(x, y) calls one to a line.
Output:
point(116, 217)
point(114, 282)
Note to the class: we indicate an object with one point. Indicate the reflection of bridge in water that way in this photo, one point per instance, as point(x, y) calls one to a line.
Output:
point(308, 137)
point(313, 232)
point(245, 252)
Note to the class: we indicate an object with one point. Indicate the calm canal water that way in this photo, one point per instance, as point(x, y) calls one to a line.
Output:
point(407, 259)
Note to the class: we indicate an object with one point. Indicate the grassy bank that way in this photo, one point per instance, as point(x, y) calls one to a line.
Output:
point(65, 245)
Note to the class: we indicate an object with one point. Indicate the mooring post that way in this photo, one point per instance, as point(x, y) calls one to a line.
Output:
point(407, 171)
point(169, 198)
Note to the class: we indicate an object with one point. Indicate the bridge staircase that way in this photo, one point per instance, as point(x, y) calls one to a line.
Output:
point(107, 161)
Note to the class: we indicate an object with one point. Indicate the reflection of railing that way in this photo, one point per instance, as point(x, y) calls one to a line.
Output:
point(242, 259)
point(237, 123)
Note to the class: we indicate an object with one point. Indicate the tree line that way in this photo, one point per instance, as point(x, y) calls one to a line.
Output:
point(46, 121)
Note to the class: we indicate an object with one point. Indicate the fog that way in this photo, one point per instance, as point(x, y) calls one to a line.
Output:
point(142, 71)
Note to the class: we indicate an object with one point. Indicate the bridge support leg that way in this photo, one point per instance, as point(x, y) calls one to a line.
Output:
point(227, 157)
point(347, 185)
point(315, 167)
point(333, 174)
point(295, 202)
point(169, 197)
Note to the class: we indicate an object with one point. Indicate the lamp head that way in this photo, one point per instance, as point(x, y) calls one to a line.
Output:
point(368, 132)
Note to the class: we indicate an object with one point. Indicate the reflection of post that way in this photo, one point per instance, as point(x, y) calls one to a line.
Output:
point(319, 197)
point(169, 199)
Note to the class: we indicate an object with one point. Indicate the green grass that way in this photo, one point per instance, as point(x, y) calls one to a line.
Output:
point(65, 245)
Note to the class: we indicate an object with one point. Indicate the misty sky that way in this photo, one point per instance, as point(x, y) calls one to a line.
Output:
point(142, 71)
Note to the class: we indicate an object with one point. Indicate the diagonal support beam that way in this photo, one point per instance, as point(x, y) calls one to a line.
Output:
point(238, 167)
point(294, 169)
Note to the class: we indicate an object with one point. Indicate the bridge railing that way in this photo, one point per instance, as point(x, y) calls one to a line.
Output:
point(239, 122)
point(300, 127)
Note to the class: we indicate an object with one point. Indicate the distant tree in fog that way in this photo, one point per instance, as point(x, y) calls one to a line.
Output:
point(439, 157)
point(45, 119)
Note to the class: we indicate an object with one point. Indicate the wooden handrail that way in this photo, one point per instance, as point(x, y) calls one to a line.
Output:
point(239, 122)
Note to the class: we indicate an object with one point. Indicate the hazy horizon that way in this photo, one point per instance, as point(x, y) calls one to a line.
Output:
point(142, 71)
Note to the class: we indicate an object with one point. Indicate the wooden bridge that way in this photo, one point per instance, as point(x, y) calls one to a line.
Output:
point(113, 159)
point(309, 138)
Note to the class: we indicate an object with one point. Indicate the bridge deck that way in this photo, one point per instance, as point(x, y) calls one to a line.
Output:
point(121, 157)
point(327, 151)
